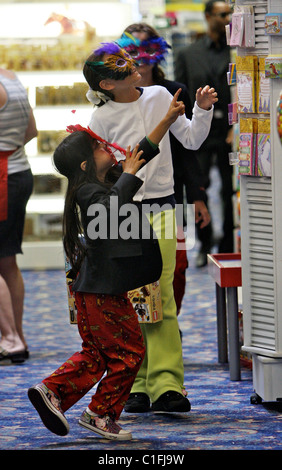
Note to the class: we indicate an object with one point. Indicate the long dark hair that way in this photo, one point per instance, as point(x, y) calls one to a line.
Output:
point(68, 156)
point(157, 72)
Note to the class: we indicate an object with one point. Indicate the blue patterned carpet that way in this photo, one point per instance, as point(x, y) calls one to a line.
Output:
point(221, 417)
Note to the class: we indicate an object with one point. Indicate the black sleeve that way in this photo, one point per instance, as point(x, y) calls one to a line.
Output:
point(148, 151)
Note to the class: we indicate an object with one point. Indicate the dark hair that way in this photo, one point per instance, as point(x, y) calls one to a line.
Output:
point(93, 78)
point(68, 156)
point(157, 72)
point(210, 4)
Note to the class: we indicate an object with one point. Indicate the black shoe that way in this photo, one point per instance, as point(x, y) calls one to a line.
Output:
point(202, 259)
point(137, 403)
point(171, 402)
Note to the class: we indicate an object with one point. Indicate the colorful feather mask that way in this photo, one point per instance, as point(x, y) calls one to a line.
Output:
point(149, 51)
point(118, 64)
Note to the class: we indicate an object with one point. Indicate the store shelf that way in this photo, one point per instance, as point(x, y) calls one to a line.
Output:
point(41, 255)
point(42, 244)
point(50, 77)
point(46, 204)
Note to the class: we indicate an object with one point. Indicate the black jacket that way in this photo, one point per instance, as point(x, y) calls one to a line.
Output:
point(113, 264)
point(186, 167)
point(202, 63)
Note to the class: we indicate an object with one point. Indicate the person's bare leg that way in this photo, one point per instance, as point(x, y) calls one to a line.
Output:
point(13, 277)
point(10, 340)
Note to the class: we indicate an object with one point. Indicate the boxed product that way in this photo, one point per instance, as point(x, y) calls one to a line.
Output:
point(263, 89)
point(273, 24)
point(279, 117)
point(273, 66)
point(246, 77)
point(247, 146)
point(147, 302)
point(263, 148)
point(242, 27)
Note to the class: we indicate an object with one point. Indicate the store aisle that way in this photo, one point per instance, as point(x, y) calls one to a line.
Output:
point(221, 417)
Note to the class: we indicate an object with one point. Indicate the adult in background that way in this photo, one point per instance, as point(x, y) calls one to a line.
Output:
point(206, 61)
point(149, 49)
point(17, 127)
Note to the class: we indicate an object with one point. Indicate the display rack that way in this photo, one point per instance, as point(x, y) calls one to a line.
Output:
point(261, 244)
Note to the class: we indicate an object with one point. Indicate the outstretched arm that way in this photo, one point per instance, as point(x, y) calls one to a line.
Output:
point(206, 97)
point(176, 108)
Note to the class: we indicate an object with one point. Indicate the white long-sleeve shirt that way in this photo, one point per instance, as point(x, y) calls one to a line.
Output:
point(127, 123)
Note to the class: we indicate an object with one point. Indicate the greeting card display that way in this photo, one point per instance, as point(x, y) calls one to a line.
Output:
point(273, 24)
point(263, 89)
point(246, 73)
point(279, 117)
point(242, 27)
point(247, 147)
point(263, 148)
point(273, 66)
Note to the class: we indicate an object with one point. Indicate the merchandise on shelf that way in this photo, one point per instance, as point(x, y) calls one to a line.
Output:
point(254, 147)
point(60, 95)
point(31, 57)
point(273, 24)
point(247, 139)
point(253, 88)
point(273, 66)
point(279, 117)
point(263, 153)
point(246, 73)
point(242, 27)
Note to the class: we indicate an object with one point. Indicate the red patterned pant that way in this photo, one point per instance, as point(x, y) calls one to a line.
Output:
point(112, 343)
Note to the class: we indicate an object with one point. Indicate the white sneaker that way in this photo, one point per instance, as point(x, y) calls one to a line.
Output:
point(104, 426)
point(48, 406)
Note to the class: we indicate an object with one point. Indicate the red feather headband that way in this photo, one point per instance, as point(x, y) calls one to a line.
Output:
point(78, 127)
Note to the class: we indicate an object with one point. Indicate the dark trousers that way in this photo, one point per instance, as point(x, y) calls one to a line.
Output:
point(216, 152)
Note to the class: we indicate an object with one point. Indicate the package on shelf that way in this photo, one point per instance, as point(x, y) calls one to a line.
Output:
point(273, 66)
point(147, 302)
point(247, 146)
point(273, 24)
point(59, 95)
point(263, 148)
point(279, 117)
point(232, 113)
point(246, 73)
point(263, 89)
point(47, 141)
point(242, 27)
point(29, 57)
point(231, 74)
point(237, 29)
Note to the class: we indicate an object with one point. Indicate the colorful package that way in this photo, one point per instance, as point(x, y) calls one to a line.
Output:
point(147, 302)
point(263, 89)
point(263, 148)
point(246, 74)
point(247, 146)
point(273, 24)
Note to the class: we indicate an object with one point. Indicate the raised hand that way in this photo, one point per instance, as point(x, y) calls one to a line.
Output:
point(206, 97)
point(176, 108)
point(132, 161)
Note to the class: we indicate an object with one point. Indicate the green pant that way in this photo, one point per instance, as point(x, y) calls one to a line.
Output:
point(162, 368)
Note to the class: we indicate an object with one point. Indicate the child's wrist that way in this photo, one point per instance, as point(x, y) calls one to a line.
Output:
point(153, 145)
